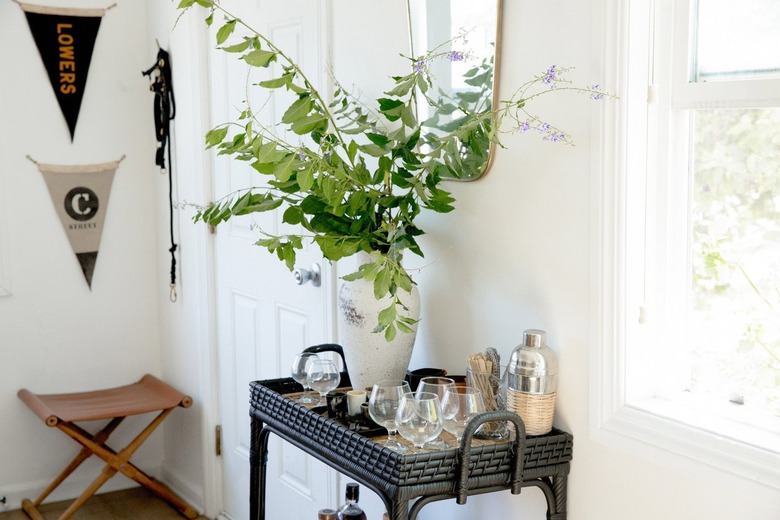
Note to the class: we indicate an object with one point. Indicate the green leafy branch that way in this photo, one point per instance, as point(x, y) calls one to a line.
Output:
point(360, 175)
point(350, 194)
point(715, 268)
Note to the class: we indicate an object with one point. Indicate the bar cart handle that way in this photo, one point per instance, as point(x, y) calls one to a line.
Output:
point(329, 347)
point(464, 451)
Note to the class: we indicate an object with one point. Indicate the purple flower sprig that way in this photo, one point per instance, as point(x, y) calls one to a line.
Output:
point(455, 56)
point(553, 77)
point(596, 93)
point(462, 35)
point(420, 65)
point(549, 77)
point(552, 80)
point(548, 131)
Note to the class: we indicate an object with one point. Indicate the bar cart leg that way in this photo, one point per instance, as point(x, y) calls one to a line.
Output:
point(560, 489)
point(258, 459)
point(397, 509)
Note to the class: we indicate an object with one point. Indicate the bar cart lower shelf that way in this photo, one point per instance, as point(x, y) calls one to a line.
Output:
point(406, 483)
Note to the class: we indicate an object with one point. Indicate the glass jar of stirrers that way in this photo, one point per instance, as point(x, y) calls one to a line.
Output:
point(484, 372)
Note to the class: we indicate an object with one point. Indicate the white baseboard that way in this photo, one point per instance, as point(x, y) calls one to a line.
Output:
point(185, 488)
point(77, 482)
point(71, 488)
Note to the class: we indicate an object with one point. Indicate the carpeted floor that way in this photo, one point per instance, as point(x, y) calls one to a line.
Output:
point(129, 504)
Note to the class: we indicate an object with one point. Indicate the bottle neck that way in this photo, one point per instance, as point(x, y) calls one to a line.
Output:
point(352, 494)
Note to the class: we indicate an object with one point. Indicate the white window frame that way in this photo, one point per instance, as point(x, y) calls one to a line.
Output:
point(621, 415)
point(4, 212)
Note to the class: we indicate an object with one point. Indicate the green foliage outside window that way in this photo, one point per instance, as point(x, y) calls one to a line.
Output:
point(736, 256)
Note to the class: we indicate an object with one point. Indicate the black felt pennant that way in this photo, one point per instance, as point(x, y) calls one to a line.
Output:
point(65, 39)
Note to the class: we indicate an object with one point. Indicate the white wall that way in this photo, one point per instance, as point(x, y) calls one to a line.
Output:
point(56, 334)
point(186, 325)
point(515, 254)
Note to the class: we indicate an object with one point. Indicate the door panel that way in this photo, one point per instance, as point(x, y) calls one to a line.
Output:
point(264, 317)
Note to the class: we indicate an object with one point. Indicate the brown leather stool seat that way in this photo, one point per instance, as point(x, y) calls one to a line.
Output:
point(64, 410)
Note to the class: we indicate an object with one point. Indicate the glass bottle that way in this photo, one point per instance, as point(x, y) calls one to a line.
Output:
point(351, 510)
point(327, 514)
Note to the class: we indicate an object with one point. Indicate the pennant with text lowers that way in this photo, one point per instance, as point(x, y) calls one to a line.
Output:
point(80, 195)
point(65, 38)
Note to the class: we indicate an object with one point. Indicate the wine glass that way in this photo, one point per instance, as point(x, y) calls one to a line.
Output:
point(323, 376)
point(383, 404)
point(419, 418)
point(436, 385)
point(459, 405)
point(299, 371)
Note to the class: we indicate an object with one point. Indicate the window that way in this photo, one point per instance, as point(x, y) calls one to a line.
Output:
point(688, 355)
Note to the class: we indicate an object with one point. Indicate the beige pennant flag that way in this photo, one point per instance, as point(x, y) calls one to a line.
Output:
point(80, 196)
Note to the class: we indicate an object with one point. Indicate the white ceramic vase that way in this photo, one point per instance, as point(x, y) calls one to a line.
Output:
point(369, 356)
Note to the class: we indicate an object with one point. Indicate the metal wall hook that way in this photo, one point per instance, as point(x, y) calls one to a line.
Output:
point(312, 275)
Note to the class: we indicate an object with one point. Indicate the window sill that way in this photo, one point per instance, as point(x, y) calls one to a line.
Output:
point(664, 431)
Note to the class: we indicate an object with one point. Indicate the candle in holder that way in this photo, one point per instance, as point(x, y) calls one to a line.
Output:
point(354, 399)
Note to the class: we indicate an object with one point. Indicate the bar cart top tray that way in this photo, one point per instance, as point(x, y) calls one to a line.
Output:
point(271, 405)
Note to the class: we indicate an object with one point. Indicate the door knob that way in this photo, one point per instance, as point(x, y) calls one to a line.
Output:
point(308, 275)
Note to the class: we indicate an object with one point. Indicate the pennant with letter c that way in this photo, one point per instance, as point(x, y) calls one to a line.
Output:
point(80, 196)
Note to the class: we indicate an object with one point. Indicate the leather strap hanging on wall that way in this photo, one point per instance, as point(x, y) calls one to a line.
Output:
point(164, 110)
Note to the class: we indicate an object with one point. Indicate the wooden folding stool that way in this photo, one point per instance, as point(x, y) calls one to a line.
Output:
point(63, 410)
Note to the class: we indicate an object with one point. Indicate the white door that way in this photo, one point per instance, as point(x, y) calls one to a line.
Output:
point(264, 317)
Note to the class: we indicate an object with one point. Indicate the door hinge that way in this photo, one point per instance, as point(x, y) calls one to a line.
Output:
point(218, 440)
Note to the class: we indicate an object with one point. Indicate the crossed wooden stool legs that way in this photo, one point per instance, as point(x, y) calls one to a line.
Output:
point(63, 410)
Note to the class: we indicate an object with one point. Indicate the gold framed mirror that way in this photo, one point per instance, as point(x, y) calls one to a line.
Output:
point(468, 33)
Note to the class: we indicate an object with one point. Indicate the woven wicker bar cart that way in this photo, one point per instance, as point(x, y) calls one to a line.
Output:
point(406, 483)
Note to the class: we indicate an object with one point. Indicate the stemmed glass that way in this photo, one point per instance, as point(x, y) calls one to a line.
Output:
point(383, 404)
point(436, 385)
point(299, 371)
point(323, 376)
point(459, 405)
point(419, 418)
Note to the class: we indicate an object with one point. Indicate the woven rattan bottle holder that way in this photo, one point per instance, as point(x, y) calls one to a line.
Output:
point(537, 410)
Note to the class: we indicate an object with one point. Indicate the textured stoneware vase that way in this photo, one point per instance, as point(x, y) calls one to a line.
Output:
point(370, 358)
